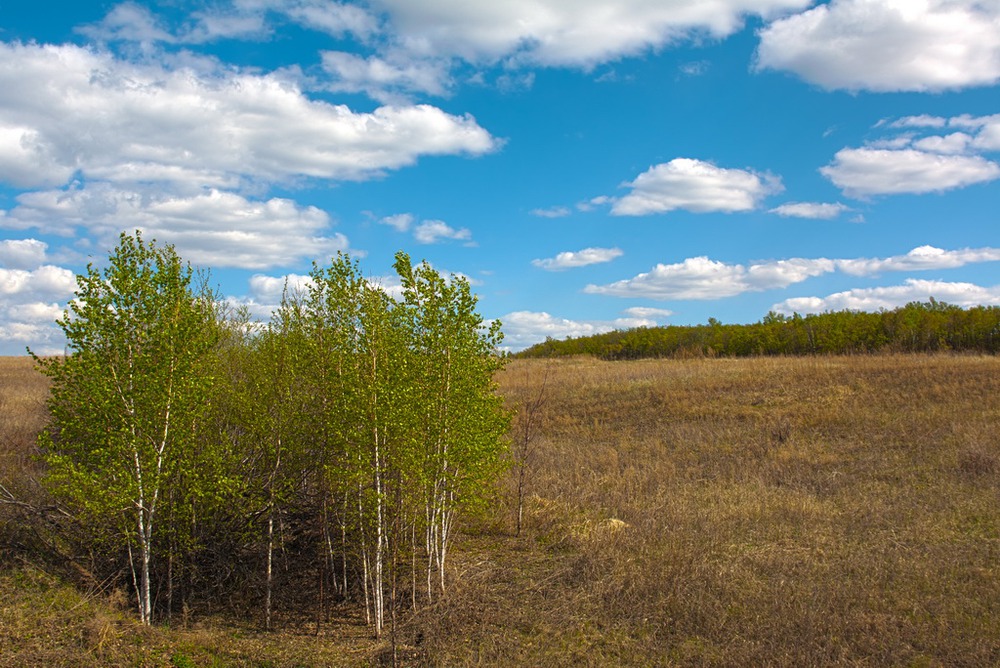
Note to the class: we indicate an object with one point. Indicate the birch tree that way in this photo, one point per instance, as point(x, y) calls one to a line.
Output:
point(463, 422)
point(126, 401)
point(359, 360)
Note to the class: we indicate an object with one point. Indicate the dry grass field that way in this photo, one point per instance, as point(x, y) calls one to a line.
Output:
point(783, 511)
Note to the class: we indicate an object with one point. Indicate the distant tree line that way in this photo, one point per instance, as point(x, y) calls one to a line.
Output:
point(918, 327)
point(328, 451)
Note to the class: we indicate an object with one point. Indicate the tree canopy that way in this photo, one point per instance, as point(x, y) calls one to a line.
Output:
point(194, 443)
point(931, 326)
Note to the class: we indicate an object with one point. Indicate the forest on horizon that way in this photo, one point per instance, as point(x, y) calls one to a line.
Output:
point(918, 327)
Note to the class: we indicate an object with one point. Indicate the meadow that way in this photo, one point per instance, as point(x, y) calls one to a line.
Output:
point(706, 512)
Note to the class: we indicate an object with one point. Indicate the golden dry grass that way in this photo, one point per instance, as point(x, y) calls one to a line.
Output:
point(809, 511)
point(783, 511)
point(22, 411)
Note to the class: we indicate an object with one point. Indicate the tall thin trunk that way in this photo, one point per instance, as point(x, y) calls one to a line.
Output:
point(343, 547)
point(365, 574)
point(270, 562)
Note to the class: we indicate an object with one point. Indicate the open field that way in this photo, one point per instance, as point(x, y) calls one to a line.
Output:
point(780, 511)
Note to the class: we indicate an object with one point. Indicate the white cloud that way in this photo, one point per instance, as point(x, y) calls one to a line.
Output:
point(694, 278)
point(920, 121)
point(45, 282)
point(435, 231)
point(695, 68)
point(546, 32)
point(333, 18)
point(28, 308)
point(987, 129)
point(647, 312)
point(526, 328)
point(148, 123)
point(128, 22)
point(965, 295)
point(22, 253)
point(861, 172)
point(214, 228)
point(551, 212)
point(385, 79)
point(242, 19)
point(891, 143)
point(30, 325)
point(572, 259)
point(210, 26)
point(955, 143)
point(982, 133)
point(269, 289)
point(921, 258)
point(697, 186)
point(888, 45)
point(704, 279)
point(814, 210)
point(27, 158)
point(553, 32)
point(782, 273)
point(592, 203)
point(400, 222)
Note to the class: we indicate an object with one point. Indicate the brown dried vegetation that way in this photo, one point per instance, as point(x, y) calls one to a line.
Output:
point(782, 511)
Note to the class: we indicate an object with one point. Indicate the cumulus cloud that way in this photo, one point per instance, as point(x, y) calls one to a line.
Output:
point(400, 222)
point(45, 282)
point(919, 259)
point(147, 123)
point(213, 228)
point(694, 278)
point(697, 186)
point(888, 45)
point(545, 32)
point(954, 143)
point(862, 172)
point(965, 295)
point(22, 253)
point(551, 32)
point(30, 325)
point(436, 231)
point(814, 210)
point(975, 134)
point(29, 307)
point(986, 128)
point(703, 279)
point(933, 154)
point(526, 328)
point(573, 259)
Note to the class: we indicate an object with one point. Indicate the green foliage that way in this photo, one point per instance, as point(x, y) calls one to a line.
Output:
point(352, 423)
point(126, 404)
point(917, 327)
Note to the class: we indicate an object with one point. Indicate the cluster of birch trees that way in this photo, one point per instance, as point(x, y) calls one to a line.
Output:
point(350, 430)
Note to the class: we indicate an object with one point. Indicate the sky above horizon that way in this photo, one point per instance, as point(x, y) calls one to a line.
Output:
point(588, 165)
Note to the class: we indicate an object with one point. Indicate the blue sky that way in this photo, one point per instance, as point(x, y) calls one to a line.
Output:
point(588, 165)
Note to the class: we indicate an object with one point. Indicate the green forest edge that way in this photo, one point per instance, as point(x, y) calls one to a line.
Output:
point(189, 447)
point(918, 327)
